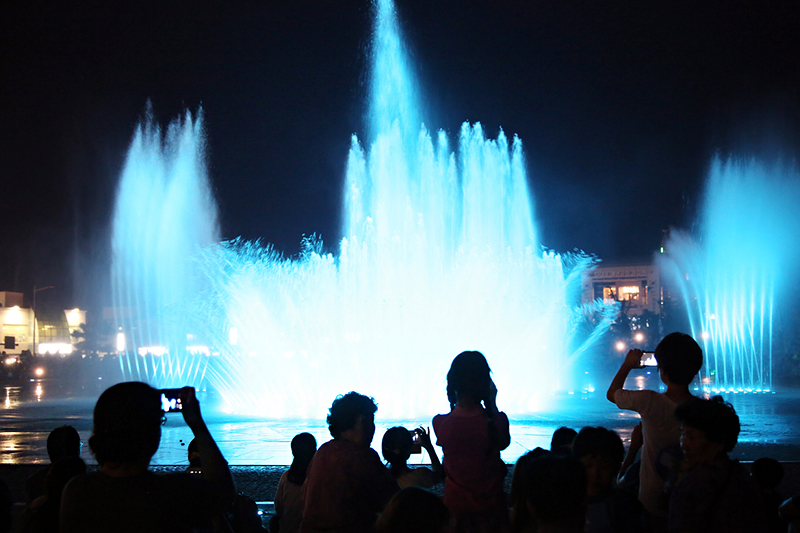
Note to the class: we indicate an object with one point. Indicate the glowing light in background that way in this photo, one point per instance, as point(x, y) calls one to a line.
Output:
point(55, 348)
point(13, 316)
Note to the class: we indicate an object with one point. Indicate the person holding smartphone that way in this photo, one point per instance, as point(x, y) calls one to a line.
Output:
point(472, 435)
point(124, 495)
point(398, 444)
point(679, 359)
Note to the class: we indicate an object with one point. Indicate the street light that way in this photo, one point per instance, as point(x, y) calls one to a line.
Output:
point(35, 290)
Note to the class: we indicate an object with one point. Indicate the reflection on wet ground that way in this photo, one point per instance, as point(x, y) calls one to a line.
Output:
point(31, 409)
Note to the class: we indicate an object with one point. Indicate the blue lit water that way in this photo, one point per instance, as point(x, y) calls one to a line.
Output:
point(733, 271)
point(770, 424)
point(439, 255)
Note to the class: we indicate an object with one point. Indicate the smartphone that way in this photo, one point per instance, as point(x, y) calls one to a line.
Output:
point(648, 359)
point(170, 400)
point(416, 444)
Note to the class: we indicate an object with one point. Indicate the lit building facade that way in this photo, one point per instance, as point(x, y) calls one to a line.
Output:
point(635, 285)
point(47, 332)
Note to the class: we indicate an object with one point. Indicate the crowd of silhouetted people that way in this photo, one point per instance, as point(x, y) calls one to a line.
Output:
point(676, 474)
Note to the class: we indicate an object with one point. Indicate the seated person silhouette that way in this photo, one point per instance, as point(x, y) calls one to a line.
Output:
point(714, 492)
point(521, 520)
point(62, 442)
point(414, 509)
point(397, 445)
point(609, 509)
point(347, 485)
point(554, 488)
point(42, 514)
point(561, 443)
point(195, 461)
point(289, 494)
point(124, 495)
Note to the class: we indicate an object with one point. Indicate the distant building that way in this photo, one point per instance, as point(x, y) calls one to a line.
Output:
point(54, 327)
point(635, 284)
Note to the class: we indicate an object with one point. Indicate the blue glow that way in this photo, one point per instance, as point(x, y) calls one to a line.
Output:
point(732, 275)
point(439, 255)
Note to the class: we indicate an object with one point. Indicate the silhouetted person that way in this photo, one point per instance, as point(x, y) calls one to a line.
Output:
point(63, 442)
point(608, 509)
point(628, 477)
point(561, 443)
point(714, 493)
point(289, 495)
point(347, 485)
point(768, 474)
point(42, 514)
point(521, 520)
point(124, 495)
point(555, 490)
point(416, 510)
point(396, 447)
point(472, 435)
point(193, 454)
point(679, 360)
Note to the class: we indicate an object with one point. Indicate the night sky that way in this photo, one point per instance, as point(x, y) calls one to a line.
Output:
point(620, 106)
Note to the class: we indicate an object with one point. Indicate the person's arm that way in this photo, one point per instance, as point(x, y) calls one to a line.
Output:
point(278, 498)
point(788, 510)
point(632, 360)
point(636, 443)
point(215, 467)
point(436, 465)
point(491, 405)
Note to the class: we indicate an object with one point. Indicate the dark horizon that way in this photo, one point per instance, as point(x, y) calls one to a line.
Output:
point(620, 109)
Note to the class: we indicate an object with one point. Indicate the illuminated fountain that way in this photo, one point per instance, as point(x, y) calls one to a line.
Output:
point(164, 215)
point(730, 276)
point(439, 255)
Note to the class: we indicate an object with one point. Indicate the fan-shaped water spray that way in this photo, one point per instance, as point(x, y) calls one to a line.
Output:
point(439, 254)
point(729, 276)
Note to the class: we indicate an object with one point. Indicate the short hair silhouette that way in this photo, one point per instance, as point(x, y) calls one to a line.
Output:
point(517, 496)
point(715, 417)
point(60, 473)
point(413, 509)
point(555, 487)
point(345, 410)
point(680, 357)
point(767, 472)
point(127, 423)
point(396, 444)
point(469, 376)
point(599, 442)
point(63, 442)
point(561, 443)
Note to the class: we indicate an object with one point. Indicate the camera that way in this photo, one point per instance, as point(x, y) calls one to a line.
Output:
point(416, 443)
point(648, 359)
point(170, 400)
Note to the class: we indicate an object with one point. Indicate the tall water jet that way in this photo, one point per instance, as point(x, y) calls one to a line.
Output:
point(439, 254)
point(730, 275)
point(164, 214)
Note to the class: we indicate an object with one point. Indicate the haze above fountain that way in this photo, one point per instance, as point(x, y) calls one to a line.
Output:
point(439, 255)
